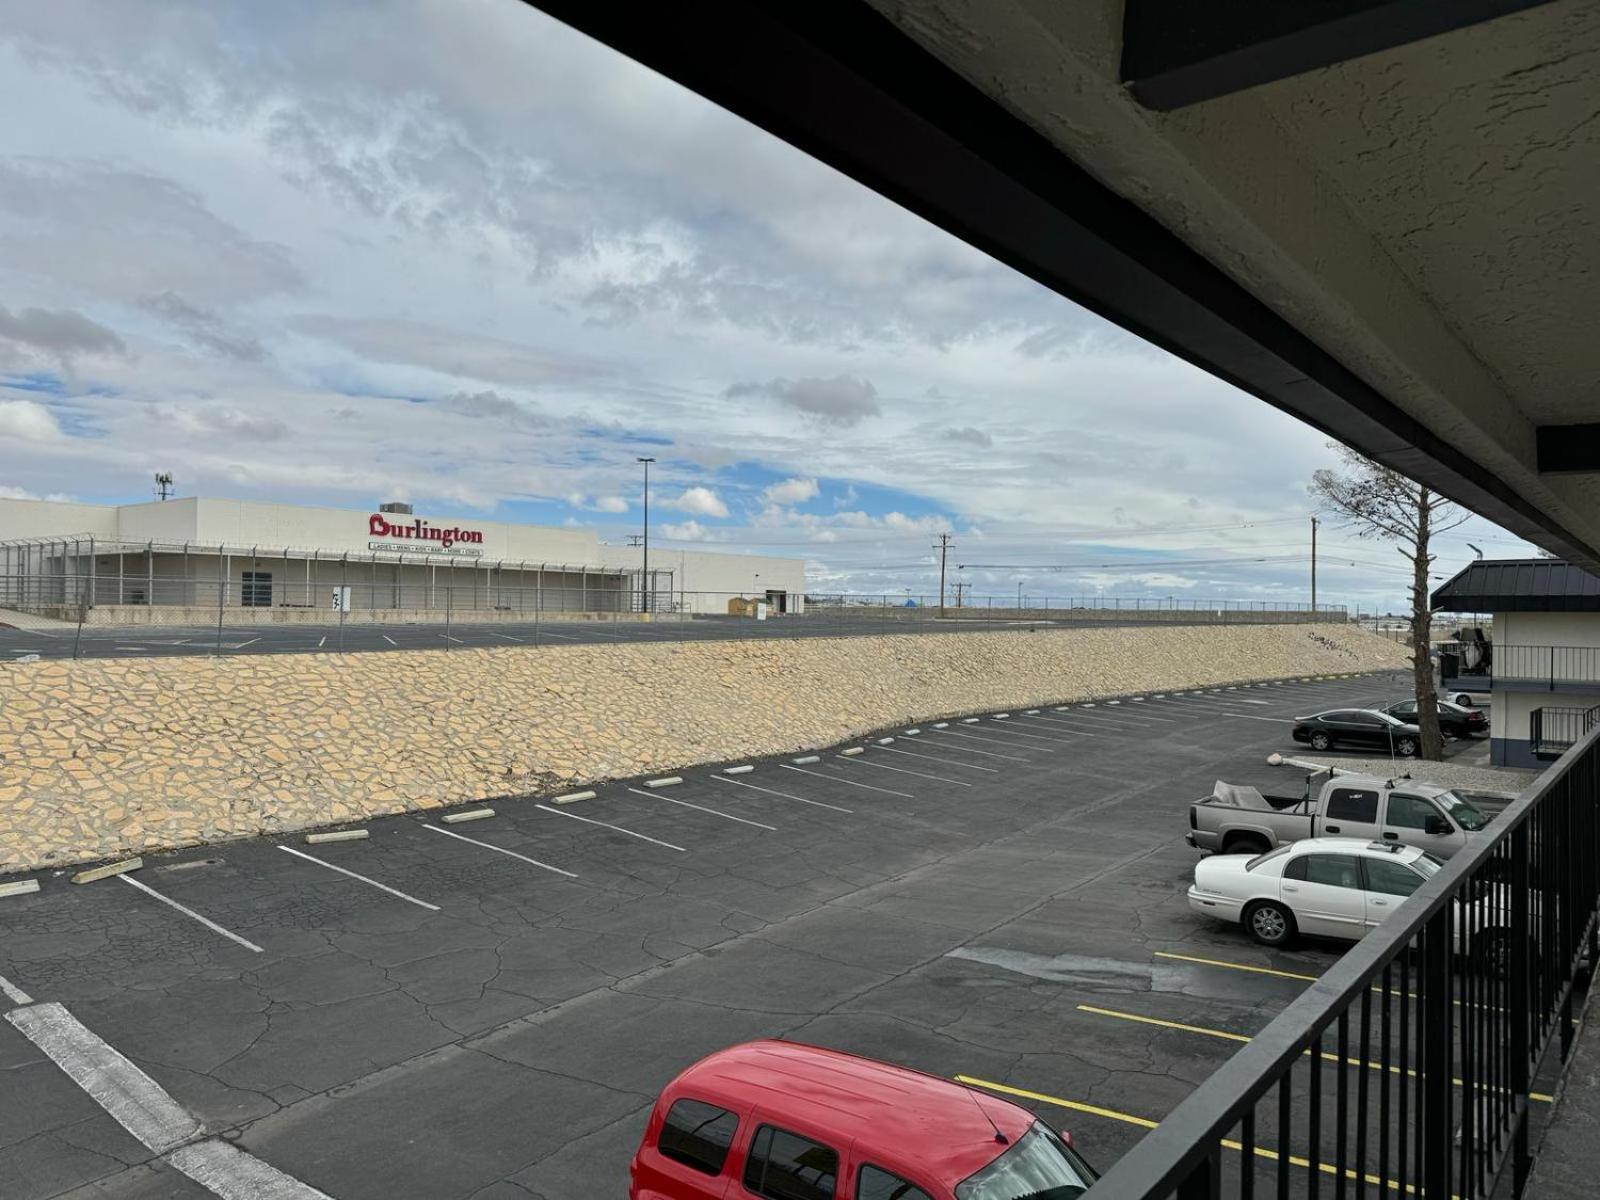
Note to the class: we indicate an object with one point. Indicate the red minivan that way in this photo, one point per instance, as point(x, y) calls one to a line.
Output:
point(786, 1121)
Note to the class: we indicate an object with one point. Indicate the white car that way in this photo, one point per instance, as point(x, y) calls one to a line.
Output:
point(1327, 887)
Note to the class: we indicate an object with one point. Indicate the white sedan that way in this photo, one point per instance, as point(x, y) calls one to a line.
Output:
point(1327, 887)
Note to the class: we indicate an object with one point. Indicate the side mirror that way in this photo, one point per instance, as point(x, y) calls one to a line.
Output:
point(1436, 826)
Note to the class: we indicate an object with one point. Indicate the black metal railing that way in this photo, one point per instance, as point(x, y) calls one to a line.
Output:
point(1554, 729)
point(1550, 666)
point(1407, 1069)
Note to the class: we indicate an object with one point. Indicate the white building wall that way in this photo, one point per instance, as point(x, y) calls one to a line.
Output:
point(704, 581)
point(1547, 629)
point(51, 518)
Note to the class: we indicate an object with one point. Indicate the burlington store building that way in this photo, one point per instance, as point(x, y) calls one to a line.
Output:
point(182, 560)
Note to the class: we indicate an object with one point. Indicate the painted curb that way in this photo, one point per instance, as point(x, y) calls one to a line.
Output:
point(338, 835)
point(472, 814)
point(851, 751)
point(21, 887)
point(744, 769)
point(664, 781)
point(107, 871)
point(806, 758)
point(572, 797)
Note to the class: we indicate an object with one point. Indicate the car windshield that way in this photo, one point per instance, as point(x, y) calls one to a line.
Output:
point(1427, 864)
point(1268, 857)
point(1038, 1167)
point(1469, 818)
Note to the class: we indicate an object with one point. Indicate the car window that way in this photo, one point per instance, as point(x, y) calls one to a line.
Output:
point(1038, 1167)
point(1390, 877)
point(1366, 720)
point(873, 1184)
point(786, 1166)
point(1334, 870)
point(1409, 812)
point(697, 1135)
point(1468, 817)
point(1405, 708)
point(1353, 804)
point(1338, 714)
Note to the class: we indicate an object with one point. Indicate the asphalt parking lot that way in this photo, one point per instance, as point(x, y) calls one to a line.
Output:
point(158, 641)
point(488, 1009)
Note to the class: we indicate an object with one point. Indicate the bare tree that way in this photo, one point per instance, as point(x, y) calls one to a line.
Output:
point(1377, 502)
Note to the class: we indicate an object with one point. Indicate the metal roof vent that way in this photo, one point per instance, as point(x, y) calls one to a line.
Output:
point(395, 506)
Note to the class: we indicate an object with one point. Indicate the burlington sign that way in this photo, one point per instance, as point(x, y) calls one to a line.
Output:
point(418, 537)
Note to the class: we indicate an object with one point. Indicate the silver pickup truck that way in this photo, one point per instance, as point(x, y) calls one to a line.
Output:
point(1238, 819)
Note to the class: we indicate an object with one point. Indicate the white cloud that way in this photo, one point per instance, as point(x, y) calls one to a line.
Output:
point(790, 492)
point(702, 501)
point(687, 531)
point(27, 421)
point(600, 504)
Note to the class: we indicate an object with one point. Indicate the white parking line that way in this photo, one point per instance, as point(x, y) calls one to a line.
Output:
point(13, 993)
point(1040, 737)
point(145, 1110)
point(1123, 717)
point(388, 639)
point(322, 641)
point(566, 637)
point(986, 753)
point(643, 837)
point(949, 762)
point(251, 642)
point(506, 636)
point(862, 762)
point(702, 808)
point(461, 837)
point(851, 782)
point(786, 795)
point(382, 887)
point(189, 912)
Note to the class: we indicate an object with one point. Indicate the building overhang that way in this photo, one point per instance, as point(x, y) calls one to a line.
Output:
point(1364, 245)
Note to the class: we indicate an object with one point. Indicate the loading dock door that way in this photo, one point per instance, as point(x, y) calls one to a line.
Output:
point(777, 601)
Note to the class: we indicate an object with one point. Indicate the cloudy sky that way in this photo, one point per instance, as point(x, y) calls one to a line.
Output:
point(452, 252)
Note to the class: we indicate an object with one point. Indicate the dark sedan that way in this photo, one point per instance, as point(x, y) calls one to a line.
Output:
point(1358, 727)
point(1454, 721)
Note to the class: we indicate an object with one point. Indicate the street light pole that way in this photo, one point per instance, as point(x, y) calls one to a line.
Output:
point(644, 573)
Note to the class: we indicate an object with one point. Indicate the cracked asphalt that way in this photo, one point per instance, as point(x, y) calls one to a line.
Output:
point(967, 891)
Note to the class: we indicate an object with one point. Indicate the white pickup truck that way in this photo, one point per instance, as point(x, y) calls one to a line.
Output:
point(1237, 819)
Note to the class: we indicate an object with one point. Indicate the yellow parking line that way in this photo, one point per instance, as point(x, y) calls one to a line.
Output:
point(1232, 966)
point(1145, 1123)
point(1225, 1035)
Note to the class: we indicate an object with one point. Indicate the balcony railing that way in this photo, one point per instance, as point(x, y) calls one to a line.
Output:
point(1547, 666)
point(1555, 729)
point(1406, 1069)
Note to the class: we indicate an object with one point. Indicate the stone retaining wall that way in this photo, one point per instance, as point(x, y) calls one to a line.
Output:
point(107, 756)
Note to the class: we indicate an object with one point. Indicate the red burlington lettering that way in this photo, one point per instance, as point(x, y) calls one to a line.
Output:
point(419, 530)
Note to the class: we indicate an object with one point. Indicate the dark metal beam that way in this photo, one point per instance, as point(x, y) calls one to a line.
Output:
point(1177, 52)
point(1568, 449)
point(844, 84)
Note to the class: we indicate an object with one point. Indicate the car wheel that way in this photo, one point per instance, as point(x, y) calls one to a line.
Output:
point(1464, 700)
point(1269, 923)
point(1320, 741)
point(1245, 844)
point(1405, 747)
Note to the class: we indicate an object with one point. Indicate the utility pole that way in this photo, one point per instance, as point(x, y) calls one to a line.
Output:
point(944, 549)
point(1314, 524)
point(961, 590)
point(644, 573)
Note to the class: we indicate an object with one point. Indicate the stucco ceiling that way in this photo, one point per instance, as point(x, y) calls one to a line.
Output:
point(1426, 214)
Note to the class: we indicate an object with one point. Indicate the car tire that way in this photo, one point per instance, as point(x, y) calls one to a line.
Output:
point(1321, 741)
point(1269, 923)
point(1246, 844)
point(1405, 747)
point(1464, 700)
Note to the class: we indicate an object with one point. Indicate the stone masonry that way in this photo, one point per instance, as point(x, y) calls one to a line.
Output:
point(107, 757)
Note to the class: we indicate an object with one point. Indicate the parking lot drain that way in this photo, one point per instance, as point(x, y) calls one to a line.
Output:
point(664, 781)
point(744, 769)
point(572, 797)
point(20, 888)
point(337, 835)
point(107, 871)
point(852, 750)
point(806, 758)
point(472, 814)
